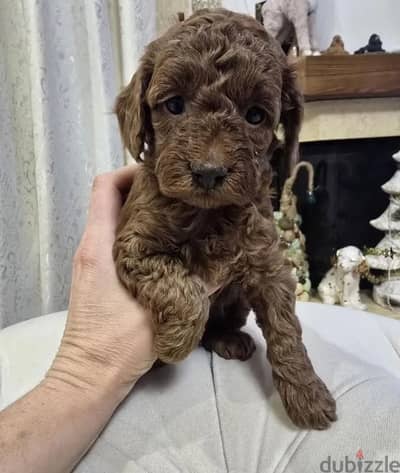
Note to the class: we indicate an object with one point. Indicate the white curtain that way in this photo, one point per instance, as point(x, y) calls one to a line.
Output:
point(61, 66)
point(199, 4)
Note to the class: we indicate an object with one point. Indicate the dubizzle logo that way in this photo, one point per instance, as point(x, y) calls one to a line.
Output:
point(360, 465)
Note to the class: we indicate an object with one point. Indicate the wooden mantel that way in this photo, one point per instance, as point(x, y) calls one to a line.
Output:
point(349, 76)
point(350, 97)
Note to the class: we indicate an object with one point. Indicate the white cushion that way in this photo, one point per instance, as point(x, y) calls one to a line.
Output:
point(208, 415)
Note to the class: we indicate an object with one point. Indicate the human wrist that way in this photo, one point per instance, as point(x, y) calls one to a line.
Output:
point(74, 398)
point(72, 374)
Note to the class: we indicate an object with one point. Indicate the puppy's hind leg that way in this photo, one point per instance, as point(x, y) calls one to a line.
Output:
point(223, 335)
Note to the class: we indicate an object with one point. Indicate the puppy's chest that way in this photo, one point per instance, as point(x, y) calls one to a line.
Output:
point(218, 253)
point(212, 257)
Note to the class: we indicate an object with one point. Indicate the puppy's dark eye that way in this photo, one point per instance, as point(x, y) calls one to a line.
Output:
point(175, 105)
point(255, 115)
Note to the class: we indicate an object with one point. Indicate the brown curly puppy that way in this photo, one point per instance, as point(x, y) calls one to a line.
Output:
point(203, 108)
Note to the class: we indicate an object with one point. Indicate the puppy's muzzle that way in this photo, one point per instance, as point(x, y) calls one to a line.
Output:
point(208, 177)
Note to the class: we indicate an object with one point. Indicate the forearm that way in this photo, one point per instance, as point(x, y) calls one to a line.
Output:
point(52, 427)
point(107, 346)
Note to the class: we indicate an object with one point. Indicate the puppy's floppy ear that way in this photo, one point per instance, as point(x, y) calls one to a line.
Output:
point(133, 112)
point(291, 118)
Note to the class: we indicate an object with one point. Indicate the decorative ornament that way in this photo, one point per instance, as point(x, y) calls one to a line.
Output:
point(288, 20)
point(341, 285)
point(374, 46)
point(292, 240)
point(259, 15)
point(336, 48)
point(385, 257)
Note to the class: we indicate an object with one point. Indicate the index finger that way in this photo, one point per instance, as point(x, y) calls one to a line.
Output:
point(123, 177)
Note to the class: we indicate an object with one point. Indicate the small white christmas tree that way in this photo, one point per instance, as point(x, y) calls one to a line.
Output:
point(386, 255)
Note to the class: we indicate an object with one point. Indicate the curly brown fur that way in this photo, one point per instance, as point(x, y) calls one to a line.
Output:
point(178, 234)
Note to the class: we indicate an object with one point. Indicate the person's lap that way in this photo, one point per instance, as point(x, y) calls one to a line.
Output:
point(212, 415)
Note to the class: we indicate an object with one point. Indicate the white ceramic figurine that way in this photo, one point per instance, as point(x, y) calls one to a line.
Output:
point(280, 15)
point(341, 285)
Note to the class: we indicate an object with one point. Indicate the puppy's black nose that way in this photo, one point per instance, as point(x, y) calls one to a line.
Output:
point(208, 177)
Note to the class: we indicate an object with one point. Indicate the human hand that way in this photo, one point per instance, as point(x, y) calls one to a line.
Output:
point(108, 339)
point(107, 346)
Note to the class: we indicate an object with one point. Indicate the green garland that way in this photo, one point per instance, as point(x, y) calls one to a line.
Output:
point(379, 279)
point(386, 252)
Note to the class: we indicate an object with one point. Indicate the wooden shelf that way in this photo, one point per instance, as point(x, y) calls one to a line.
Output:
point(352, 76)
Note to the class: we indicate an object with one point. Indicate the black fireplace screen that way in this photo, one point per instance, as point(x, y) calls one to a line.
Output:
point(349, 175)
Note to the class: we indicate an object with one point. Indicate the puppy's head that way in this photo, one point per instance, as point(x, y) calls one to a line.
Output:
point(204, 106)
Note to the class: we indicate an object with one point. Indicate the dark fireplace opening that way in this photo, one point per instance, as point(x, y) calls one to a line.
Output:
point(348, 179)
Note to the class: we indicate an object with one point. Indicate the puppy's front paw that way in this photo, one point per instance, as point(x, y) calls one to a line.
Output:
point(235, 345)
point(179, 307)
point(309, 407)
point(174, 342)
point(176, 335)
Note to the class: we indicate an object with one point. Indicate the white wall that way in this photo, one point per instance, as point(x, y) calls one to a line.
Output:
point(355, 20)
